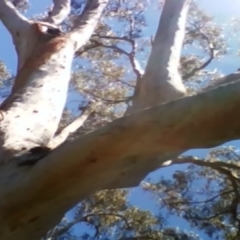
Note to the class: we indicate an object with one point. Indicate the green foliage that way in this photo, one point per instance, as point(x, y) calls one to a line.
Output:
point(4, 73)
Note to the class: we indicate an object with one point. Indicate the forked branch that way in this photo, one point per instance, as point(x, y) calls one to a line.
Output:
point(117, 156)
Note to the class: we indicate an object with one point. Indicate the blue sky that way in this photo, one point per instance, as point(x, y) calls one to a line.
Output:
point(223, 11)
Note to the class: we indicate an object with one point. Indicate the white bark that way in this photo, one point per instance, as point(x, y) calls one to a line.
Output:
point(162, 81)
point(87, 22)
point(112, 157)
point(60, 11)
point(33, 111)
point(19, 28)
point(12, 19)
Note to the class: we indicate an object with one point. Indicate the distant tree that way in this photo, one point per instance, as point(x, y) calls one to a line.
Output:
point(135, 116)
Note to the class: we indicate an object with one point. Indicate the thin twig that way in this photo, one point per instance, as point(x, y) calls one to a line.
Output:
point(131, 56)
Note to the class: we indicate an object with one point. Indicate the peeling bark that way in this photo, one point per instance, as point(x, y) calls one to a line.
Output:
point(12, 19)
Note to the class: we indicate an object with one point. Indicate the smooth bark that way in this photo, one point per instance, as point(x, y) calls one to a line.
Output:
point(89, 17)
point(60, 11)
point(112, 157)
point(162, 81)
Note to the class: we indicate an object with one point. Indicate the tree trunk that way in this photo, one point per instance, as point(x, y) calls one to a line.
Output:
point(33, 198)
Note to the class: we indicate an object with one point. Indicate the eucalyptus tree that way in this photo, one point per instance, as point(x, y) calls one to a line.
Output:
point(41, 174)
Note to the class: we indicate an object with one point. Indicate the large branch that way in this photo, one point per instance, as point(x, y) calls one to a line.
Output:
point(40, 88)
point(26, 34)
point(12, 19)
point(114, 156)
point(220, 81)
point(60, 11)
point(87, 22)
point(162, 81)
point(32, 112)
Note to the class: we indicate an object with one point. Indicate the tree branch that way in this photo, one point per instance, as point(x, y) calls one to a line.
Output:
point(64, 229)
point(123, 38)
point(220, 81)
point(115, 156)
point(134, 62)
point(161, 77)
point(71, 128)
point(233, 208)
point(138, 238)
point(109, 101)
point(60, 11)
point(131, 56)
point(199, 202)
point(87, 22)
point(221, 167)
point(12, 19)
point(200, 162)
